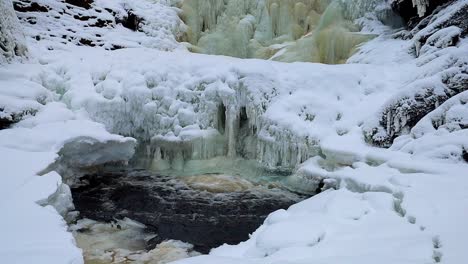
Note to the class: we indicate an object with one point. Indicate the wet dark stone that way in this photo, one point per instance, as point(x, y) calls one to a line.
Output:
point(80, 3)
point(170, 208)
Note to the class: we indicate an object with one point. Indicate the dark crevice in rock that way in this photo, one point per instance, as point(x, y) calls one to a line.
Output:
point(173, 210)
point(465, 155)
point(320, 186)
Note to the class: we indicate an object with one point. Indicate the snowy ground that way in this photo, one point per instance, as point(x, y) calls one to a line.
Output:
point(405, 204)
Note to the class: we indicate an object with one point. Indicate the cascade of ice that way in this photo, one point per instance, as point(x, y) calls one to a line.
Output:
point(331, 42)
point(235, 130)
point(295, 30)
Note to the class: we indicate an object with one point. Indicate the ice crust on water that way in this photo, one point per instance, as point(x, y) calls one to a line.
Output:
point(409, 199)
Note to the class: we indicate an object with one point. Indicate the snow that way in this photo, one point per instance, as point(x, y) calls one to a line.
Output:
point(30, 232)
point(79, 105)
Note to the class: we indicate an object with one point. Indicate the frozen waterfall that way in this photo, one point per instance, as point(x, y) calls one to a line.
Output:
point(298, 30)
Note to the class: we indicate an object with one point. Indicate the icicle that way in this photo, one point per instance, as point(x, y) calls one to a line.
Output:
point(421, 5)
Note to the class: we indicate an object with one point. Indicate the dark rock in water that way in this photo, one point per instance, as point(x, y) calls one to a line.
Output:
point(173, 210)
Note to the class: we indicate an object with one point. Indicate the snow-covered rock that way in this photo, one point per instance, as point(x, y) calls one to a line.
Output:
point(11, 39)
point(442, 74)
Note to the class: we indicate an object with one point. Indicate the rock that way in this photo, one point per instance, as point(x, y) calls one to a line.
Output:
point(80, 3)
point(173, 210)
point(131, 21)
point(29, 7)
point(5, 123)
point(442, 29)
point(413, 13)
point(86, 42)
point(457, 19)
point(405, 111)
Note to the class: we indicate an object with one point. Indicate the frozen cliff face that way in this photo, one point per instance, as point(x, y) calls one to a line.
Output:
point(439, 46)
point(11, 41)
point(310, 30)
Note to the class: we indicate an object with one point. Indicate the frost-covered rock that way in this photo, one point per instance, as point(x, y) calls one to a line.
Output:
point(443, 71)
point(441, 134)
point(19, 96)
point(101, 23)
point(11, 41)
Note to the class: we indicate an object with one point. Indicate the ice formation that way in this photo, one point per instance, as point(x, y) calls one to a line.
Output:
point(421, 5)
point(404, 90)
point(310, 30)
